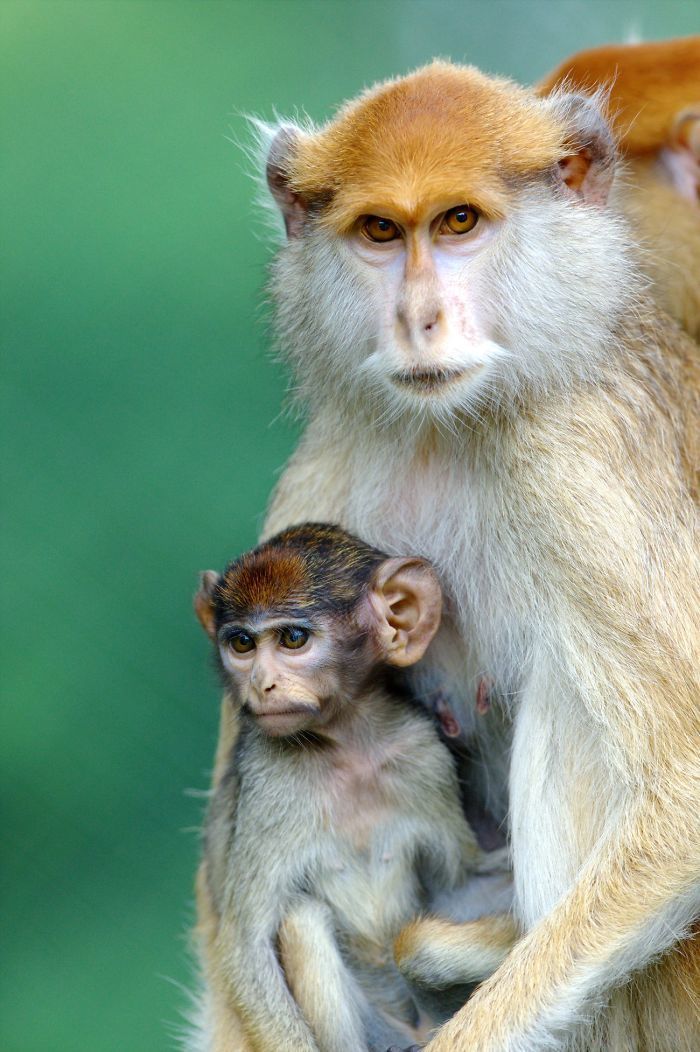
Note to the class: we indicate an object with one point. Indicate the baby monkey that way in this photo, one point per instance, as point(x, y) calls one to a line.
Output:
point(338, 819)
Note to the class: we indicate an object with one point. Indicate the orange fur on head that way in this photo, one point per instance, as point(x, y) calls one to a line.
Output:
point(443, 135)
point(649, 84)
point(311, 568)
point(272, 583)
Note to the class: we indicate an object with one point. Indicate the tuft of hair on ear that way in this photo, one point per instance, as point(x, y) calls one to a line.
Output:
point(587, 166)
point(263, 151)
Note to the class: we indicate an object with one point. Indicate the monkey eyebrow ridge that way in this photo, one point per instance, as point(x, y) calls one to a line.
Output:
point(273, 624)
point(228, 631)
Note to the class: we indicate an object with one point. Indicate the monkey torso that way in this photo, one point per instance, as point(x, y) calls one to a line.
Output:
point(522, 517)
point(372, 831)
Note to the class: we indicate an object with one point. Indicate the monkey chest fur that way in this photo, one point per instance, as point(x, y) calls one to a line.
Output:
point(371, 832)
point(446, 510)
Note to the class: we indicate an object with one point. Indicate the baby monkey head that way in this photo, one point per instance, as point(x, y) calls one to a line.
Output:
point(308, 621)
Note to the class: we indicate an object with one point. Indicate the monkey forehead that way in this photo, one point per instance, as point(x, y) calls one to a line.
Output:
point(283, 582)
point(445, 133)
point(257, 583)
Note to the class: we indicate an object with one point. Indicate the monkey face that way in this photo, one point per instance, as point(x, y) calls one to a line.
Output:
point(447, 232)
point(283, 673)
point(310, 619)
point(434, 334)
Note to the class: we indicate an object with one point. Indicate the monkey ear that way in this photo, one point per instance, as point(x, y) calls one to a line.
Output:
point(204, 601)
point(406, 602)
point(587, 168)
point(681, 156)
point(290, 203)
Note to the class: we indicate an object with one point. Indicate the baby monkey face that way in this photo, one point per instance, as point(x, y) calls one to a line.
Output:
point(306, 623)
point(283, 672)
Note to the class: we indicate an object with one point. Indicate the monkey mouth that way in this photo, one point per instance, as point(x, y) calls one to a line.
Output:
point(279, 721)
point(306, 710)
point(427, 380)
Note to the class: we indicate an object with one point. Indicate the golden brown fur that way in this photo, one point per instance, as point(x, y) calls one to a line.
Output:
point(309, 569)
point(649, 85)
point(654, 104)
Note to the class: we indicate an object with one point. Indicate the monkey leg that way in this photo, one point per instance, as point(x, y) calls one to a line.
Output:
point(324, 987)
point(216, 1026)
point(437, 952)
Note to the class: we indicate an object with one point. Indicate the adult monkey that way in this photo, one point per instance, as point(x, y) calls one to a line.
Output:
point(654, 93)
point(547, 473)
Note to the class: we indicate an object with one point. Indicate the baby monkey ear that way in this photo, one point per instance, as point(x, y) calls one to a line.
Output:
point(204, 601)
point(587, 167)
point(406, 603)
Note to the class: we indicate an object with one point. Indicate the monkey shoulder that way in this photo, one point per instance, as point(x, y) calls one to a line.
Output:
point(276, 817)
point(317, 476)
point(630, 443)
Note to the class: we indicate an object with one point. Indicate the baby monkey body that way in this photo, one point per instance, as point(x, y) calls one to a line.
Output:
point(337, 820)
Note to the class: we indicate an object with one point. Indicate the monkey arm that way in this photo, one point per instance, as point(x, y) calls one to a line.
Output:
point(634, 897)
point(617, 916)
point(321, 984)
point(254, 885)
point(216, 1024)
point(605, 777)
point(257, 988)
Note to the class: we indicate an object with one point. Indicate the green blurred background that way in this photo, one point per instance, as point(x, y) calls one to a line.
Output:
point(142, 434)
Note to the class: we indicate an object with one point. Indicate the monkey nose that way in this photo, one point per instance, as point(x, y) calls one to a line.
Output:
point(432, 322)
point(270, 687)
point(417, 327)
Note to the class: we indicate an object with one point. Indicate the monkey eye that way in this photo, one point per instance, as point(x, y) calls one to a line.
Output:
point(293, 638)
point(241, 642)
point(375, 228)
point(459, 220)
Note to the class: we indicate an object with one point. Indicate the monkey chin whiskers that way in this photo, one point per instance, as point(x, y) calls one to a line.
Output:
point(436, 397)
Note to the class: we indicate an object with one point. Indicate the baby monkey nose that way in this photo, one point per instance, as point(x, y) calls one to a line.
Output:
point(270, 686)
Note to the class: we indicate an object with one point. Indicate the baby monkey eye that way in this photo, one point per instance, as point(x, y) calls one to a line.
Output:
point(375, 228)
point(293, 638)
point(241, 642)
point(459, 220)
